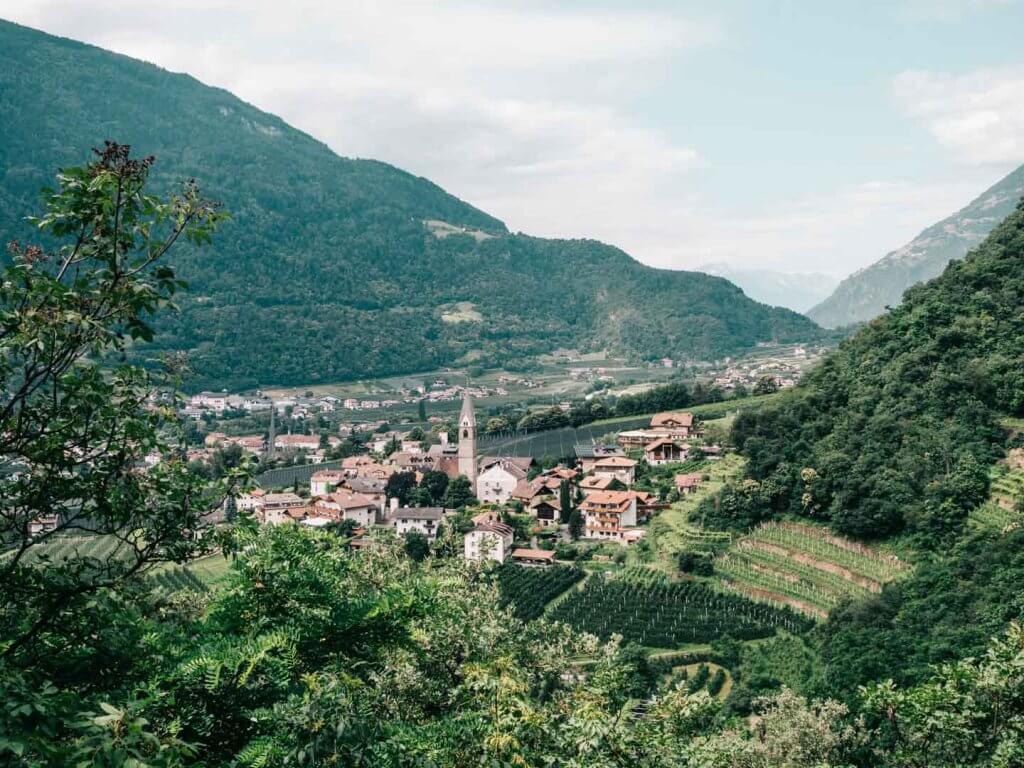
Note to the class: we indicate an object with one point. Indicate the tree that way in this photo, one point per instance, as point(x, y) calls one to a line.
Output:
point(766, 385)
point(417, 546)
point(565, 502)
point(421, 410)
point(435, 483)
point(576, 524)
point(400, 485)
point(74, 413)
point(459, 493)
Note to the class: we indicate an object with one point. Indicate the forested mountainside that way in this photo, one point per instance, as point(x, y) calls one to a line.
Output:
point(893, 437)
point(865, 294)
point(335, 268)
point(895, 429)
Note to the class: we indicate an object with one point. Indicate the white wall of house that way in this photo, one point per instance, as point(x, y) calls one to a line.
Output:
point(480, 544)
point(495, 485)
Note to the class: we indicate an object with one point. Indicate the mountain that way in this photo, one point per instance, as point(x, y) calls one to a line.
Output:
point(798, 291)
point(865, 294)
point(334, 268)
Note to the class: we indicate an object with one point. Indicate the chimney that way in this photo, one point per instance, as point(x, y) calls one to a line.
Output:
point(393, 504)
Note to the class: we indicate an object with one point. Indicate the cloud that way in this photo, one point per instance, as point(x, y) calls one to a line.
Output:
point(979, 115)
point(523, 110)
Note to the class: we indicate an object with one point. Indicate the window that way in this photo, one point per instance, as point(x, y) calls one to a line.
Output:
point(465, 433)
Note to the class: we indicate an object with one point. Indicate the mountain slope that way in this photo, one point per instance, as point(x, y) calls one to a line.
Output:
point(900, 423)
point(335, 268)
point(798, 291)
point(866, 293)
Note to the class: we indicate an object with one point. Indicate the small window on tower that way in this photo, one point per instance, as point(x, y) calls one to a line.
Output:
point(465, 433)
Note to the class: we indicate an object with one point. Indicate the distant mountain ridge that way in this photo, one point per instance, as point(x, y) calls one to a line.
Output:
point(798, 291)
point(334, 268)
point(866, 293)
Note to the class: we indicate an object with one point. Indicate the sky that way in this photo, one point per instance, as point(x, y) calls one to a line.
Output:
point(792, 136)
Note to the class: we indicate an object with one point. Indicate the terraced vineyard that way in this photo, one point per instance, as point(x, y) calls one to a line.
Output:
point(529, 590)
point(60, 548)
point(674, 531)
point(644, 607)
point(804, 568)
point(176, 579)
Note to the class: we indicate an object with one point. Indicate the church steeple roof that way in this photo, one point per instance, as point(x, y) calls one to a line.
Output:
point(467, 415)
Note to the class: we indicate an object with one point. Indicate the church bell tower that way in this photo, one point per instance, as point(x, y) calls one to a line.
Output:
point(467, 442)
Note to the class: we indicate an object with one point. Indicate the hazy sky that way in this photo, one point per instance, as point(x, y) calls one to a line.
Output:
point(810, 136)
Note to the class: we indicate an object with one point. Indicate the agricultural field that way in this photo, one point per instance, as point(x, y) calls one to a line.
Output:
point(644, 607)
point(61, 547)
point(1006, 491)
point(804, 568)
point(176, 579)
point(529, 590)
point(677, 530)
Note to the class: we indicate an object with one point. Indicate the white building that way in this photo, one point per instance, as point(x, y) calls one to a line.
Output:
point(496, 482)
point(326, 480)
point(425, 520)
point(488, 540)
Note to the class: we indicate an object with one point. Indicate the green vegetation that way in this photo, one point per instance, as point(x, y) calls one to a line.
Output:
point(328, 271)
point(529, 590)
point(645, 608)
point(895, 430)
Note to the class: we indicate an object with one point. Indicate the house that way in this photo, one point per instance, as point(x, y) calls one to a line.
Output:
point(490, 540)
point(711, 452)
point(42, 524)
point(688, 483)
point(588, 453)
point(324, 481)
point(423, 520)
point(664, 451)
point(606, 514)
point(528, 490)
point(546, 510)
point(410, 462)
point(277, 508)
point(297, 442)
point(621, 468)
point(638, 438)
point(495, 483)
point(561, 473)
point(680, 423)
point(371, 487)
point(345, 505)
point(600, 483)
point(533, 557)
point(646, 505)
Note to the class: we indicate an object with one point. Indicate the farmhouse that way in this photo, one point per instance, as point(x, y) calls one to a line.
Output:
point(600, 483)
point(546, 510)
point(488, 540)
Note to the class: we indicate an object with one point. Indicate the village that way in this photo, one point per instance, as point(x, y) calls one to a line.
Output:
point(515, 502)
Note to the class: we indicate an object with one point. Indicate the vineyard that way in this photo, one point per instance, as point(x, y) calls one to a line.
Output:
point(805, 568)
point(675, 531)
point(644, 607)
point(529, 590)
point(60, 548)
point(176, 579)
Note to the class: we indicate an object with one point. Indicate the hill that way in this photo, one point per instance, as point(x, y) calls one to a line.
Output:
point(866, 293)
point(895, 430)
point(336, 268)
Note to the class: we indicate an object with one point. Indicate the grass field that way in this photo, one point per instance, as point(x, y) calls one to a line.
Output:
point(804, 567)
